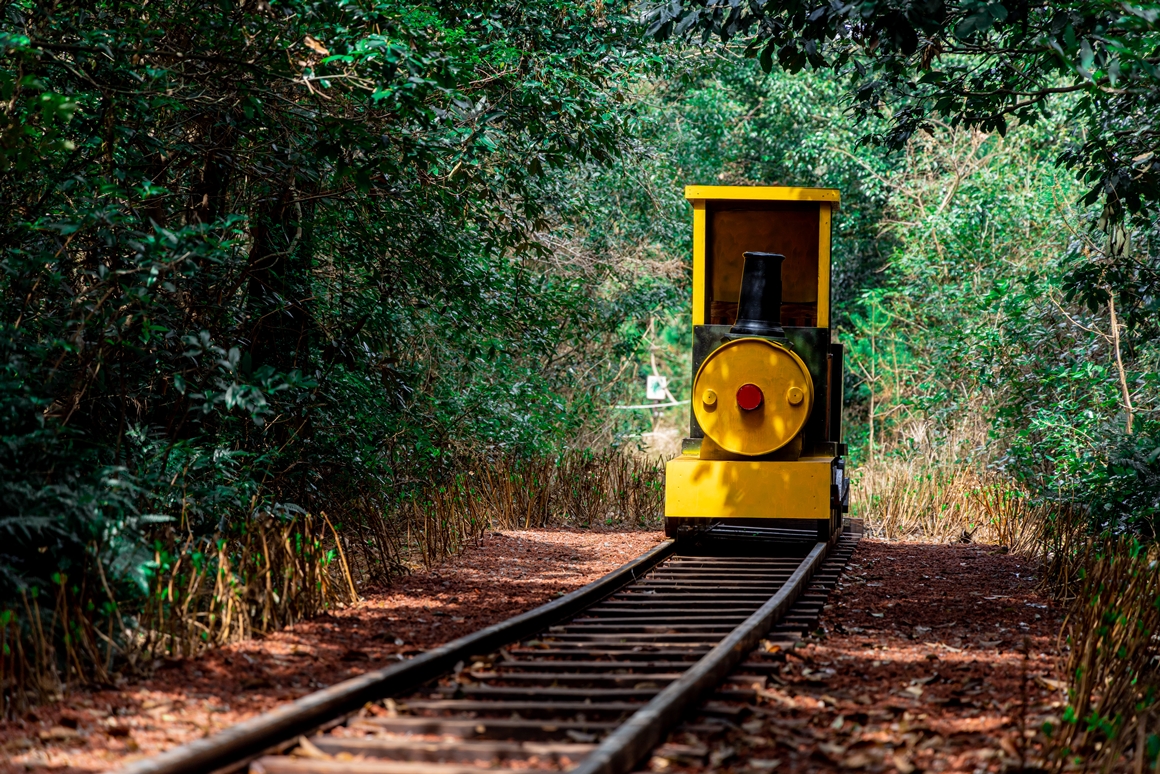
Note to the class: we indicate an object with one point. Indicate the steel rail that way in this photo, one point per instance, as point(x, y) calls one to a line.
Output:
point(621, 750)
point(247, 739)
point(563, 702)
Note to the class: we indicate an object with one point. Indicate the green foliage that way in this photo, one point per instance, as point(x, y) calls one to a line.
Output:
point(262, 258)
point(1112, 690)
point(981, 65)
point(986, 66)
point(972, 325)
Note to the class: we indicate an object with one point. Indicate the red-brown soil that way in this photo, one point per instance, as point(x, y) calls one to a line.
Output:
point(929, 658)
point(184, 700)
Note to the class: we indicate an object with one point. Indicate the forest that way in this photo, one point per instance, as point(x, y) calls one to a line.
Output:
point(298, 295)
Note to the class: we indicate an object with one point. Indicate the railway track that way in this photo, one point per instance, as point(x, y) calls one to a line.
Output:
point(589, 684)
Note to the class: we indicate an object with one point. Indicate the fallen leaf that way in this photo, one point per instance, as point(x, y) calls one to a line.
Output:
point(306, 749)
point(720, 755)
point(315, 46)
point(903, 765)
point(58, 734)
point(858, 760)
point(914, 691)
point(683, 753)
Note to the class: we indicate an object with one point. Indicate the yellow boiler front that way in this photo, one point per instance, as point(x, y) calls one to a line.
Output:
point(770, 375)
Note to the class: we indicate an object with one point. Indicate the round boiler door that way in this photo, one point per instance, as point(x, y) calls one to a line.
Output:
point(763, 395)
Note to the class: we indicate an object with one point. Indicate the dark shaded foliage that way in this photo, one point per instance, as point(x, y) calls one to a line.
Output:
point(260, 258)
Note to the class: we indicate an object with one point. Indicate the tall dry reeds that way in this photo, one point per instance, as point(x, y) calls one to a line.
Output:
point(577, 488)
point(608, 488)
point(212, 591)
point(275, 569)
point(907, 498)
point(51, 638)
point(201, 592)
point(1112, 638)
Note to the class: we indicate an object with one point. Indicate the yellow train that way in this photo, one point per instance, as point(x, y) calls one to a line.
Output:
point(765, 443)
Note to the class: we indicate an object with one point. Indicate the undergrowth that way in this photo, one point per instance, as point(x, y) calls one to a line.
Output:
point(286, 565)
point(1110, 585)
point(902, 499)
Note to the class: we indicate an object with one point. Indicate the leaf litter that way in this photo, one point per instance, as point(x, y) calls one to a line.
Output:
point(922, 673)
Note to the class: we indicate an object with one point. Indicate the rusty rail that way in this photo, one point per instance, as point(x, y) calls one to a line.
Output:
point(594, 682)
point(253, 736)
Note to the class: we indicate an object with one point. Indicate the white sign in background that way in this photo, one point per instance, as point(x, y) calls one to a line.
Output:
point(656, 387)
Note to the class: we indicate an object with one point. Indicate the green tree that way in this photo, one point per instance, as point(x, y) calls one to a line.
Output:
point(981, 65)
point(292, 254)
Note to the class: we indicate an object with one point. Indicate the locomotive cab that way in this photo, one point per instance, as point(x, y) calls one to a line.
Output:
point(764, 447)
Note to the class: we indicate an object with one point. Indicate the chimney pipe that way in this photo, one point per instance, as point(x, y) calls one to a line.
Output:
point(759, 308)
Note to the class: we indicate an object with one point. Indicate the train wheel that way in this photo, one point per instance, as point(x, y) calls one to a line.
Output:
point(825, 530)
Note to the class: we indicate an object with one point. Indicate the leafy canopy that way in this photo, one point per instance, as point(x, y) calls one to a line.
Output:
point(261, 254)
point(976, 64)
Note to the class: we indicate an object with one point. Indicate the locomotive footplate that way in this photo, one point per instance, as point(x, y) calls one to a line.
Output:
point(749, 489)
point(756, 493)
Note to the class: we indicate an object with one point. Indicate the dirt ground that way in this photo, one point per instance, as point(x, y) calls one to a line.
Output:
point(929, 658)
point(184, 700)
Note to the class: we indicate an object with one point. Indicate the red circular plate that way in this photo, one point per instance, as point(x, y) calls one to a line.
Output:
point(749, 397)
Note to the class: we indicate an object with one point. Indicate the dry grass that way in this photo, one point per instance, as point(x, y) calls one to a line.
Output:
point(1112, 722)
point(579, 488)
point(917, 499)
point(201, 592)
point(277, 569)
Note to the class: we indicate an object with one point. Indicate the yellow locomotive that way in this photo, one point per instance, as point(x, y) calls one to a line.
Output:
point(764, 447)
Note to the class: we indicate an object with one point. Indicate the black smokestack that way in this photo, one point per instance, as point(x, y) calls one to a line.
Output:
point(759, 309)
